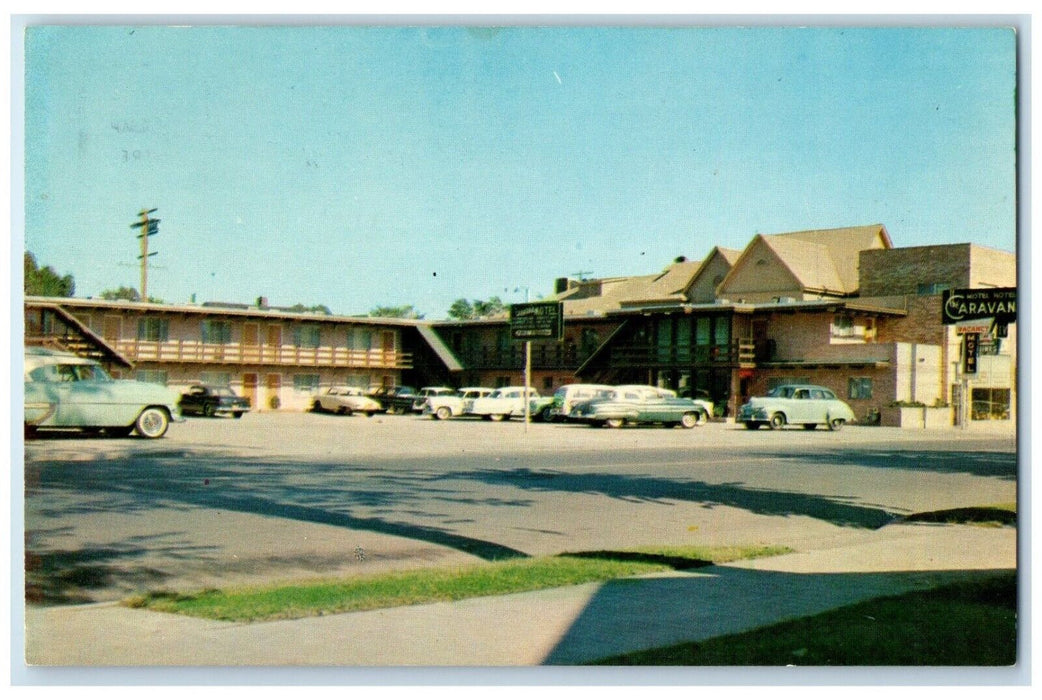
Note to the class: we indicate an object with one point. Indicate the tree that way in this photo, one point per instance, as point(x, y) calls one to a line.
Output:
point(124, 293)
point(316, 309)
point(127, 294)
point(406, 311)
point(44, 281)
point(465, 310)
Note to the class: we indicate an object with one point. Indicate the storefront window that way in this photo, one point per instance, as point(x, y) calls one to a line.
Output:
point(990, 404)
point(859, 388)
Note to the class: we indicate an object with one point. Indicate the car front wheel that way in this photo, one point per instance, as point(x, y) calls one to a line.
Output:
point(752, 425)
point(152, 423)
point(836, 424)
point(443, 413)
point(777, 421)
point(614, 422)
point(690, 420)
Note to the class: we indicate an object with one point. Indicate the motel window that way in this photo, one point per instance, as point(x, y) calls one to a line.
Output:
point(932, 288)
point(152, 376)
point(305, 383)
point(722, 331)
point(156, 330)
point(859, 388)
point(589, 340)
point(359, 338)
point(216, 332)
point(702, 331)
point(307, 336)
point(215, 378)
point(990, 404)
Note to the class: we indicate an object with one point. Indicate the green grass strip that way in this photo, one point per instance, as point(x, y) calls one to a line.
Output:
point(434, 585)
point(964, 624)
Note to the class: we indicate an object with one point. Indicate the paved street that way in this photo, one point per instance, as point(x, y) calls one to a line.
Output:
point(285, 496)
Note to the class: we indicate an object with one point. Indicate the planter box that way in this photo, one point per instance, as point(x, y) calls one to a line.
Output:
point(922, 417)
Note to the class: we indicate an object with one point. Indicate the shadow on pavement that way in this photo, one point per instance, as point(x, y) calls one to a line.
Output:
point(415, 502)
point(629, 615)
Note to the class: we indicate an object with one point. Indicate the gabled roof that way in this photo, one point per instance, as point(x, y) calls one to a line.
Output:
point(599, 296)
point(728, 255)
point(822, 260)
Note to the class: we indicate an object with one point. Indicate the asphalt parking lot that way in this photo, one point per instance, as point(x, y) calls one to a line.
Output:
point(285, 496)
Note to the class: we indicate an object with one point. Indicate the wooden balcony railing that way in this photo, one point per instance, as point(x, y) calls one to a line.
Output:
point(741, 352)
point(548, 357)
point(191, 351)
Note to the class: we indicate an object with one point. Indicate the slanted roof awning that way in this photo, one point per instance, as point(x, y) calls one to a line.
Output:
point(77, 338)
point(439, 347)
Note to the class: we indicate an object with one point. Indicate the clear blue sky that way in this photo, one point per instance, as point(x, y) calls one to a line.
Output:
point(357, 167)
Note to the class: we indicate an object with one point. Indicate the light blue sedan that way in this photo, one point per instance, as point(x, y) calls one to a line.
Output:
point(796, 404)
point(65, 391)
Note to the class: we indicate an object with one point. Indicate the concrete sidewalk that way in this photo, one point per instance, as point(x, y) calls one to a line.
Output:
point(559, 626)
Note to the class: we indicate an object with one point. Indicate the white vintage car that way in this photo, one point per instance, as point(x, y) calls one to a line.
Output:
point(345, 401)
point(66, 391)
point(796, 404)
point(508, 402)
point(461, 403)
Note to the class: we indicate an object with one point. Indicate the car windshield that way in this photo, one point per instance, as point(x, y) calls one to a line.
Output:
point(223, 391)
point(781, 392)
point(70, 373)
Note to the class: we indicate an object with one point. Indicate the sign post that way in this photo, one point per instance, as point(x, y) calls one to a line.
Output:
point(541, 320)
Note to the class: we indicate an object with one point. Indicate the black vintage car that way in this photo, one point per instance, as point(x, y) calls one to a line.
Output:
point(204, 400)
point(395, 399)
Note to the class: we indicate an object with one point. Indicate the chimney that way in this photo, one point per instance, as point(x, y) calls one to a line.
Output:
point(563, 284)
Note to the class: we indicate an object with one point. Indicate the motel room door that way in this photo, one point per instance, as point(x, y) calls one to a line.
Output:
point(273, 390)
point(249, 388)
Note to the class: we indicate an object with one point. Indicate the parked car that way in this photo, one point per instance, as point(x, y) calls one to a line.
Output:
point(460, 403)
point(65, 391)
point(427, 392)
point(567, 396)
point(796, 404)
point(205, 400)
point(642, 404)
point(394, 399)
point(509, 401)
point(345, 401)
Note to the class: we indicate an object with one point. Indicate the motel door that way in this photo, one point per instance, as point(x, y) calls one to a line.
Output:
point(273, 389)
point(249, 388)
point(112, 329)
point(251, 342)
point(273, 346)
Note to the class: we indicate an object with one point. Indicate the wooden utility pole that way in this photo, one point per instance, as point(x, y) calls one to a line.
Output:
point(149, 227)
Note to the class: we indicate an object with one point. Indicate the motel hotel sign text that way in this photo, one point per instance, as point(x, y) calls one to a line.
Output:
point(537, 321)
point(960, 305)
point(992, 310)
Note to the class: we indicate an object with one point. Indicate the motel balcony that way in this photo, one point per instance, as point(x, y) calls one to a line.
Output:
point(195, 352)
point(743, 352)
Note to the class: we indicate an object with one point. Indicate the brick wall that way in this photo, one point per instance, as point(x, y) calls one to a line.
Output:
point(901, 270)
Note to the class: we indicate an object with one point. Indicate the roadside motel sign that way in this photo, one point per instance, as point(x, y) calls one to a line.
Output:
point(978, 315)
point(997, 303)
point(543, 320)
point(981, 327)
